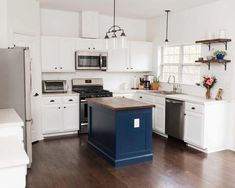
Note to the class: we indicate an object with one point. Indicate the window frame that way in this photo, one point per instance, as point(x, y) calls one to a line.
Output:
point(180, 65)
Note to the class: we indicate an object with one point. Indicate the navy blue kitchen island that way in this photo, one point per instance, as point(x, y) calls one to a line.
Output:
point(120, 130)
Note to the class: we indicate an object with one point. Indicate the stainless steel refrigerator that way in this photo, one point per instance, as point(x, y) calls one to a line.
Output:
point(15, 87)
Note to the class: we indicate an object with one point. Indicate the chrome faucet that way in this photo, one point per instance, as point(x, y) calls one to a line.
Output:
point(174, 84)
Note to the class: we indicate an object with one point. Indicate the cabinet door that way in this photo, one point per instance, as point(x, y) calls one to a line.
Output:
point(141, 56)
point(71, 117)
point(50, 54)
point(67, 54)
point(159, 119)
point(52, 118)
point(118, 60)
point(194, 129)
point(90, 44)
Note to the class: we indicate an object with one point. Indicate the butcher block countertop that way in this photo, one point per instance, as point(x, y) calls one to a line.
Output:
point(120, 103)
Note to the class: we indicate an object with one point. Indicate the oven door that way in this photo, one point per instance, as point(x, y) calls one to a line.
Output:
point(88, 61)
point(83, 116)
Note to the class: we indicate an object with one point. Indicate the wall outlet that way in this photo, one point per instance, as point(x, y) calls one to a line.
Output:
point(136, 123)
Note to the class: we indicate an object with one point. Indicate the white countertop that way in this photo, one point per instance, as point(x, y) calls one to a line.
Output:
point(69, 93)
point(9, 117)
point(183, 97)
point(12, 153)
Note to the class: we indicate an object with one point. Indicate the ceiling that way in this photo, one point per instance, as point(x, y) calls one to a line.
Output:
point(125, 8)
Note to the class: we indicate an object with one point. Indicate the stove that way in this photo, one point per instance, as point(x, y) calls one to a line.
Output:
point(88, 88)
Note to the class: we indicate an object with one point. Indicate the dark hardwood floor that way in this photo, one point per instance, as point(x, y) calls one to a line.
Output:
point(70, 163)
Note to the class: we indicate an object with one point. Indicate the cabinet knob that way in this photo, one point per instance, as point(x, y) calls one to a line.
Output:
point(36, 95)
point(141, 97)
point(61, 68)
point(70, 100)
point(127, 68)
point(64, 107)
point(193, 108)
point(93, 48)
point(89, 48)
point(58, 107)
point(52, 100)
point(55, 67)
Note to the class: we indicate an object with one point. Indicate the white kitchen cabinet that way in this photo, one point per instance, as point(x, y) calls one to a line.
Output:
point(52, 118)
point(58, 54)
point(159, 118)
point(60, 115)
point(90, 44)
point(125, 95)
point(194, 129)
point(68, 46)
point(118, 60)
point(141, 56)
point(70, 114)
point(50, 54)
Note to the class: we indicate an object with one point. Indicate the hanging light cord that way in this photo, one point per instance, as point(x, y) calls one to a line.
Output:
point(167, 15)
point(115, 28)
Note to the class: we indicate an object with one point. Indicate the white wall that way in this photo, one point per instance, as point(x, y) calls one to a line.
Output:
point(186, 27)
point(64, 23)
point(3, 23)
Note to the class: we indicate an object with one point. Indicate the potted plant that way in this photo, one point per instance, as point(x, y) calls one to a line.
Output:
point(208, 83)
point(219, 54)
point(155, 85)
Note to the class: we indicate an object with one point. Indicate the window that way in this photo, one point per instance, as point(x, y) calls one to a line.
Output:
point(180, 62)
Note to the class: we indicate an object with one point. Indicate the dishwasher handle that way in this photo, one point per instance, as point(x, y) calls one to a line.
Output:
point(174, 102)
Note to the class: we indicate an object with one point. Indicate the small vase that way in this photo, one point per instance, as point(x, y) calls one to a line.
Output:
point(208, 94)
point(220, 57)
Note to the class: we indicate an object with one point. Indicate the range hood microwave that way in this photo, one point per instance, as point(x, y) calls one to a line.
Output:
point(86, 60)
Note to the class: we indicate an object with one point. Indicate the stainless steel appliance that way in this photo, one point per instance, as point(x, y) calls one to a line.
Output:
point(54, 86)
point(86, 60)
point(88, 88)
point(15, 84)
point(175, 118)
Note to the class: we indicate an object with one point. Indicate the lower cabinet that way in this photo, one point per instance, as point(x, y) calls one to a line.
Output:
point(159, 118)
point(60, 114)
point(194, 129)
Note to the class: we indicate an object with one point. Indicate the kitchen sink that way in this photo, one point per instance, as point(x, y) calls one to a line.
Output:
point(165, 92)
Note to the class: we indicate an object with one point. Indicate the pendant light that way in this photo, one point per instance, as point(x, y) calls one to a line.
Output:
point(167, 22)
point(115, 30)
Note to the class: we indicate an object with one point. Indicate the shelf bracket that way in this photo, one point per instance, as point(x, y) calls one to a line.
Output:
point(209, 45)
point(226, 45)
point(225, 66)
point(209, 66)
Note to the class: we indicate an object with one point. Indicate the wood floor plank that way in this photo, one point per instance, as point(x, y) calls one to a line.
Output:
point(70, 163)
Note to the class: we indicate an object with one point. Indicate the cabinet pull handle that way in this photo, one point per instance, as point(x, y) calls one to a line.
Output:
point(89, 48)
point(59, 108)
point(55, 67)
point(60, 67)
point(93, 48)
point(70, 100)
point(141, 97)
point(64, 106)
point(52, 100)
point(193, 108)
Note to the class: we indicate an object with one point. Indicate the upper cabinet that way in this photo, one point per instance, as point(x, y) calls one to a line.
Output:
point(90, 44)
point(137, 57)
point(141, 56)
point(58, 54)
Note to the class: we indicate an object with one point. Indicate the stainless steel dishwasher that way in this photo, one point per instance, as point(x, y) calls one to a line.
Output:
point(175, 118)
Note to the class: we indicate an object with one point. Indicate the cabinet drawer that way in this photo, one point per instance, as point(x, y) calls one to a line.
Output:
point(160, 100)
point(146, 98)
point(194, 107)
point(52, 100)
point(71, 99)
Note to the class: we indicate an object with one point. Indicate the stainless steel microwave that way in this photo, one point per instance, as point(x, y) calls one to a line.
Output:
point(54, 86)
point(86, 60)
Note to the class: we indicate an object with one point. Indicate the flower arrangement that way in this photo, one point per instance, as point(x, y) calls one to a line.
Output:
point(208, 83)
point(219, 54)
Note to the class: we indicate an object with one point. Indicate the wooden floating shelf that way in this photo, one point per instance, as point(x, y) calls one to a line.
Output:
point(208, 62)
point(214, 41)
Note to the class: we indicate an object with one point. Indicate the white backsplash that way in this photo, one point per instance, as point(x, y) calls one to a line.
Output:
point(112, 81)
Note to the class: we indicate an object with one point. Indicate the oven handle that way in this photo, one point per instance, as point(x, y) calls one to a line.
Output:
point(84, 101)
point(101, 61)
